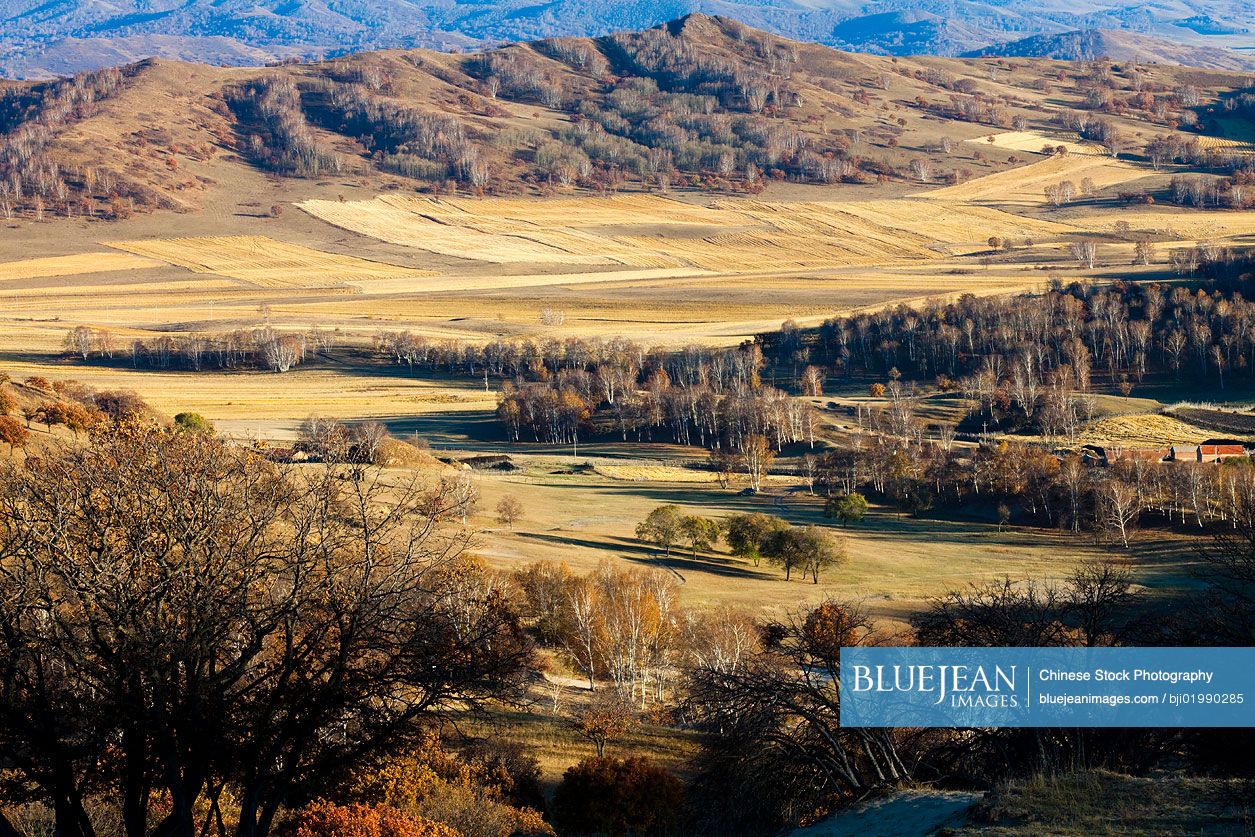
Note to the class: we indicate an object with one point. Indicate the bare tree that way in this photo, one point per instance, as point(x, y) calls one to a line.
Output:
point(216, 621)
point(756, 458)
point(509, 509)
point(1085, 252)
point(1119, 507)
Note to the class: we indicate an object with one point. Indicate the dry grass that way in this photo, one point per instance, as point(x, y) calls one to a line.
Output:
point(1034, 141)
point(272, 406)
point(553, 740)
point(264, 262)
point(1185, 225)
point(895, 563)
point(480, 230)
point(1227, 144)
point(655, 473)
point(643, 472)
point(1103, 803)
point(1146, 430)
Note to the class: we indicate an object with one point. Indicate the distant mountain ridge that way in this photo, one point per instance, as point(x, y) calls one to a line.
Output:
point(51, 37)
point(1118, 46)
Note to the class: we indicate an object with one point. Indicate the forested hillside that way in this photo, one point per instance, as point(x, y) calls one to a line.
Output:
point(702, 103)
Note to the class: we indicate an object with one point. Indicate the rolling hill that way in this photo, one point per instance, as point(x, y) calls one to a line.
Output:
point(704, 103)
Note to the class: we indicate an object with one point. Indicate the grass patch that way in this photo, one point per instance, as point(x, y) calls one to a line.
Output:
point(1103, 803)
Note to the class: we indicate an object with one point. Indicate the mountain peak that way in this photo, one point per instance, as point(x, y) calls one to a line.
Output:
point(41, 38)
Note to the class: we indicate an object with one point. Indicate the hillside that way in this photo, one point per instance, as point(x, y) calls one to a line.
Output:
point(40, 38)
point(1120, 46)
point(702, 103)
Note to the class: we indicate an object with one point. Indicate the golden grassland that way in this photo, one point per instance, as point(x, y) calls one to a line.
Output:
point(1026, 185)
point(264, 262)
point(646, 472)
point(1227, 144)
point(1171, 223)
point(272, 406)
point(662, 269)
point(895, 563)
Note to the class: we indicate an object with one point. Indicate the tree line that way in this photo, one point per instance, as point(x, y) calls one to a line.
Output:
point(1035, 354)
point(259, 348)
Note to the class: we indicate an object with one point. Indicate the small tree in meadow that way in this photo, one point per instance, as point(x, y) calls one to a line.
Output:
point(606, 720)
point(702, 533)
point(509, 510)
point(848, 508)
point(747, 533)
point(663, 527)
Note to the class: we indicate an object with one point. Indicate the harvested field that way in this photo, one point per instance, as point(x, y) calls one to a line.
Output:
point(646, 472)
point(510, 231)
point(46, 292)
point(76, 265)
point(1035, 141)
point(1224, 421)
point(957, 225)
point(655, 473)
point(645, 231)
point(266, 406)
point(1171, 222)
point(518, 281)
point(1227, 144)
point(1148, 430)
point(1026, 185)
point(264, 262)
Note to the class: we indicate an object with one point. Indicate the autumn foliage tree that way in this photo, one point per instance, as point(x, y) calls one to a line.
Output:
point(12, 433)
point(613, 625)
point(618, 797)
point(605, 720)
point(480, 789)
point(322, 819)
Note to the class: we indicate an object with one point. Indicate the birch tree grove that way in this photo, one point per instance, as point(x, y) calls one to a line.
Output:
point(621, 628)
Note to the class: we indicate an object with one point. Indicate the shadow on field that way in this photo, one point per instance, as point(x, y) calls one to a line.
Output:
point(647, 556)
point(455, 428)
